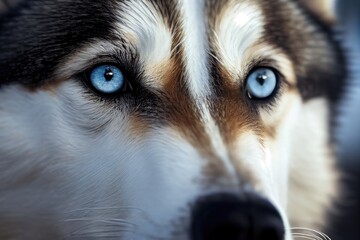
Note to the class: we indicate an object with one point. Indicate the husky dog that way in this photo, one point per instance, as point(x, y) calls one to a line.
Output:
point(167, 119)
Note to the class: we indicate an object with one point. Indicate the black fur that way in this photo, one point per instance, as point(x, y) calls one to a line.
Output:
point(38, 34)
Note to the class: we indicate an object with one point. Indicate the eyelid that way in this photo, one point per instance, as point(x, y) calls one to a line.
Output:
point(279, 70)
point(101, 63)
point(81, 62)
point(101, 60)
point(264, 63)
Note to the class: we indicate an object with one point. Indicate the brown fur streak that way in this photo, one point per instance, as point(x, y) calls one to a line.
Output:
point(181, 109)
point(231, 110)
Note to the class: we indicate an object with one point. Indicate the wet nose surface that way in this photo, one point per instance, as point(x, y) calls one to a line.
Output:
point(229, 217)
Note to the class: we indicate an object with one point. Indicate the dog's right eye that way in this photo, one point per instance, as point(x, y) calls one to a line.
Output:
point(107, 79)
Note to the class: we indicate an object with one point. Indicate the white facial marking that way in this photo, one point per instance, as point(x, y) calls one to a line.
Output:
point(172, 188)
point(283, 120)
point(258, 160)
point(195, 48)
point(141, 22)
point(250, 153)
point(237, 31)
point(312, 173)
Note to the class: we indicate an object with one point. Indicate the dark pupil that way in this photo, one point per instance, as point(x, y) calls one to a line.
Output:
point(261, 78)
point(108, 74)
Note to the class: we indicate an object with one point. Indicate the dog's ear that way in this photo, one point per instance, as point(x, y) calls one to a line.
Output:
point(323, 9)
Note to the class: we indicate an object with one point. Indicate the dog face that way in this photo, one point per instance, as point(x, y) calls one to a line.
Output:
point(119, 119)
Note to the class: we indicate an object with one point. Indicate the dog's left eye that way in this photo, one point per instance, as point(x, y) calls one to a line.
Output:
point(107, 79)
point(261, 83)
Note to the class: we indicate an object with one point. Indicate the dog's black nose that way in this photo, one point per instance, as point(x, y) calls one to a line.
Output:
point(228, 217)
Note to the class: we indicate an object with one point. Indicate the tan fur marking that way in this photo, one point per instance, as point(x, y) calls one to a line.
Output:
point(138, 126)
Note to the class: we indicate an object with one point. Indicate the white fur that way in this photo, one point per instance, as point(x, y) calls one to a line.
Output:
point(312, 171)
point(239, 29)
point(195, 48)
point(132, 183)
point(140, 23)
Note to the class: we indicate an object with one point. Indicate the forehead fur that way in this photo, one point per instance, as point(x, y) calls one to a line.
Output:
point(60, 27)
point(237, 27)
point(143, 26)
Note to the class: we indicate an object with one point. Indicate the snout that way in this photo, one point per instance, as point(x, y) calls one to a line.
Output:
point(229, 217)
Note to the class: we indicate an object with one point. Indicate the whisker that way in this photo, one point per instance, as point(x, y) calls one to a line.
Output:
point(101, 235)
point(117, 221)
point(105, 208)
point(307, 236)
point(82, 214)
point(309, 232)
point(304, 237)
point(109, 230)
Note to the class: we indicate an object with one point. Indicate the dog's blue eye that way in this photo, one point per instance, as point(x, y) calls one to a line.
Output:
point(261, 83)
point(107, 79)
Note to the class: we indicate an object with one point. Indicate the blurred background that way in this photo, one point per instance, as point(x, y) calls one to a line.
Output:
point(346, 224)
point(346, 221)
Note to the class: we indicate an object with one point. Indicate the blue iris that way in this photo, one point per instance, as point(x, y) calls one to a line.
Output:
point(261, 83)
point(107, 79)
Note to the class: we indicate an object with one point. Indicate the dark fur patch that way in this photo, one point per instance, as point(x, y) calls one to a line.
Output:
point(319, 62)
point(38, 34)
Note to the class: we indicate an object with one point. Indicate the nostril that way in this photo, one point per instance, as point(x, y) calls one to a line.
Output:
point(227, 217)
